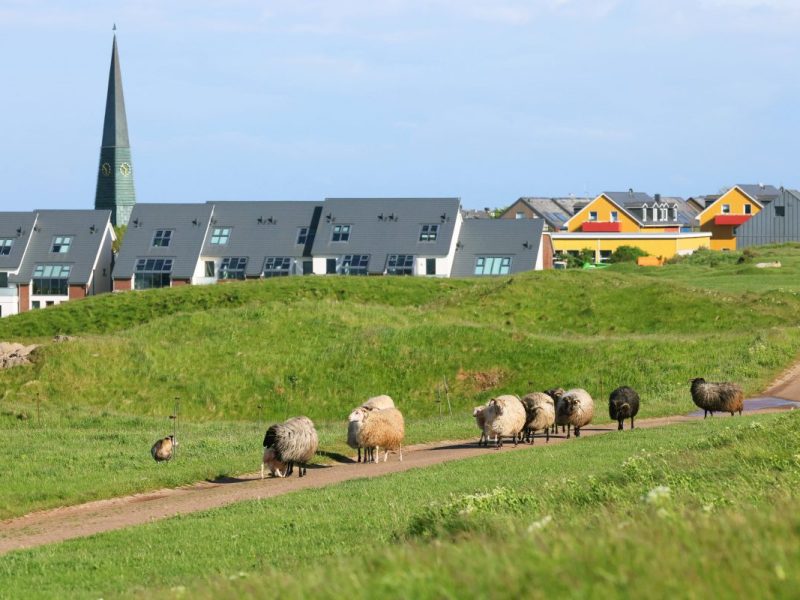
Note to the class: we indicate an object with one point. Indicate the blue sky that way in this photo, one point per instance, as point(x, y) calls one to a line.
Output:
point(487, 100)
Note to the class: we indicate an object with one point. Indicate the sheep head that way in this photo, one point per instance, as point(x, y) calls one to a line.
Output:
point(498, 405)
point(555, 393)
point(478, 410)
point(357, 415)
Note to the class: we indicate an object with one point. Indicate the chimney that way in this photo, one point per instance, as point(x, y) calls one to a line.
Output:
point(658, 197)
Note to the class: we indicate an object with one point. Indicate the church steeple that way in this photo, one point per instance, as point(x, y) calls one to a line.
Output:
point(115, 191)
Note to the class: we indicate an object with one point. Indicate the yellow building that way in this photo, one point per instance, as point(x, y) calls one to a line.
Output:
point(660, 227)
point(722, 216)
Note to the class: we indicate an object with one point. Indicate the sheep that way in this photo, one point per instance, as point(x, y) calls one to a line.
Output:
point(163, 449)
point(480, 420)
point(623, 403)
point(505, 417)
point(354, 421)
point(293, 441)
point(556, 394)
point(539, 414)
point(381, 428)
point(379, 402)
point(717, 397)
point(575, 408)
point(276, 467)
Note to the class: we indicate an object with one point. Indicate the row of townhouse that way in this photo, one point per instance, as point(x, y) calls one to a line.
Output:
point(664, 226)
point(179, 244)
point(51, 256)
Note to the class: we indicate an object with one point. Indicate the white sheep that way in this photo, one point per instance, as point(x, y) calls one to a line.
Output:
point(540, 413)
point(480, 420)
point(379, 402)
point(381, 428)
point(575, 408)
point(505, 417)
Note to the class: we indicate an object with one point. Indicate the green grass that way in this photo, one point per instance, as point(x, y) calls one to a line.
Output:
point(243, 354)
point(567, 519)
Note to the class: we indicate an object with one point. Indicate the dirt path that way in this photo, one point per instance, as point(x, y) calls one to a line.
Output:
point(50, 526)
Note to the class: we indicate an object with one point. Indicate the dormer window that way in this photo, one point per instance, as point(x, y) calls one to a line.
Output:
point(341, 233)
point(644, 213)
point(5, 246)
point(664, 216)
point(655, 213)
point(220, 236)
point(429, 233)
point(162, 238)
point(61, 244)
point(674, 212)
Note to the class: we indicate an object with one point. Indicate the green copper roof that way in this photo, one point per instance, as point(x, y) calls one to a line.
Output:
point(115, 126)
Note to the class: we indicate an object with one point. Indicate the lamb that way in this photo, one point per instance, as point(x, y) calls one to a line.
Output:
point(276, 467)
point(575, 408)
point(163, 450)
point(505, 417)
point(717, 397)
point(623, 403)
point(381, 428)
point(479, 412)
point(293, 441)
point(539, 414)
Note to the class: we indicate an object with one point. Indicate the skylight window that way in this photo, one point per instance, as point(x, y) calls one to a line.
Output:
point(162, 238)
point(492, 265)
point(220, 236)
point(61, 244)
point(429, 233)
point(341, 233)
point(5, 246)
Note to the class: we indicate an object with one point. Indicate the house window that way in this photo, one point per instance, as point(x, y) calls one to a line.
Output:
point(61, 244)
point(36, 304)
point(51, 280)
point(780, 211)
point(400, 264)
point(341, 233)
point(355, 264)
point(277, 266)
point(233, 267)
point(5, 246)
point(3, 280)
point(330, 266)
point(302, 235)
point(220, 236)
point(593, 215)
point(428, 233)
point(520, 215)
point(605, 256)
point(655, 213)
point(614, 216)
point(644, 213)
point(430, 266)
point(162, 238)
point(210, 268)
point(492, 265)
point(726, 209)
point(664, 216)
point(152, 273)
point(748, 209)
point(308, 267)
point(675, 212)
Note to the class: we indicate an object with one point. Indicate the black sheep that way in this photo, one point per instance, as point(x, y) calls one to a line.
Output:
point(623, 403)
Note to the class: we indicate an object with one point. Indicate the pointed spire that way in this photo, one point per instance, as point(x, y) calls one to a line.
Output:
point(115, 191)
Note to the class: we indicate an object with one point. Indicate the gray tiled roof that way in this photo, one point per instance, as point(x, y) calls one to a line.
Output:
point(556, 211)
point(16, 226)
point(260, 230)
point(86, 227)
point(188, 223)
point(762, 193)
point(632, 202)
point(383, 226)
point(498, 237)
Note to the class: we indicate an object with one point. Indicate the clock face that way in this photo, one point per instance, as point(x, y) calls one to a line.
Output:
point(105, 169)
point(125, 169)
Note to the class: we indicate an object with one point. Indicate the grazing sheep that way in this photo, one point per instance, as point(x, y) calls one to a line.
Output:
point(381, 428)
point(163, 450)
point(539, 414)
point(480, 420)
point(622, 404)
point(379, 402)
point(717, 397)
point(276, 467)
point(505, 417)
point(293, 441)
point(575, 408)
point(556, 394)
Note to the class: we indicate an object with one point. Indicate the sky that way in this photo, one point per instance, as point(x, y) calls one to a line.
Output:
point(486, 100)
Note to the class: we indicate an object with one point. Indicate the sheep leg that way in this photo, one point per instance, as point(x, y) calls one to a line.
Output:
point(359, 454)
point(515, 440)
point(562, 430)
point(262, 470)
point(631, 422)
point(620, 427)
point(577, 432)
point(377, 454)
point(401, 453)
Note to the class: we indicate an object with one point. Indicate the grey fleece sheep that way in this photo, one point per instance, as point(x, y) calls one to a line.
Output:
point(623, 404)
point(717, 397)
point(539, 414)
point(575, 408)
point(382, 428)
point(293, 441)
point(505, 417)
point(480, 420)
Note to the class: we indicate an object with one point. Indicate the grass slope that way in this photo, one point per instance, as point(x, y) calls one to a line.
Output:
point(242, 354)
point(693, 509)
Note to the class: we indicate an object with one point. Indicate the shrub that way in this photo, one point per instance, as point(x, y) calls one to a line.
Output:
point(625, 254)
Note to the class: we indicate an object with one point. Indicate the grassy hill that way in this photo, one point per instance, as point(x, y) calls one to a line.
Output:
point(242, 354)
